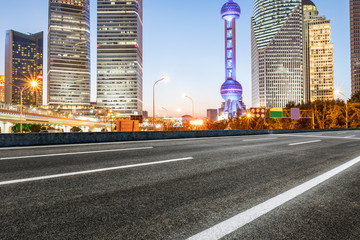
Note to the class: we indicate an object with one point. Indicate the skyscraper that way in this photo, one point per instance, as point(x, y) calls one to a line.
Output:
point(318, 55)
point(120, 56)
point(69, 53)
point(23, 64)
point(355, 45)
point(277, 53)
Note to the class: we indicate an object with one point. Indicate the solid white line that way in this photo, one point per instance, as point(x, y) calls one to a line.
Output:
point(91, 171)
point(74, 153)
point(228, 226)
point(293, 144)
point(258, 139)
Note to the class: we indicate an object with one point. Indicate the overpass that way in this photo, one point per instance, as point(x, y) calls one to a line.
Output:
point(9, 116)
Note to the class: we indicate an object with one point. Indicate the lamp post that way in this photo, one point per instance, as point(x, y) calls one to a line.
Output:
point(162, 79)
point(346, 106)
point(192, 105)
point(21, 89)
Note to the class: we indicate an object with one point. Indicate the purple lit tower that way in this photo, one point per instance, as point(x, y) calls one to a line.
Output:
point(231, 90)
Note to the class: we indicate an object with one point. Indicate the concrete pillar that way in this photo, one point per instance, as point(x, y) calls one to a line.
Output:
point(66, 128)
point(6, 127)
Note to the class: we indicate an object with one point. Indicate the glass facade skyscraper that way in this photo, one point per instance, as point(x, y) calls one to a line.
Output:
point(23, 64)
point(355, 45)
point(69, 53)
point(277, 53)
point(120, 56)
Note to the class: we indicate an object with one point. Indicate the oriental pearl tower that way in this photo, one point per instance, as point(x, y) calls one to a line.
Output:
point(231, 90)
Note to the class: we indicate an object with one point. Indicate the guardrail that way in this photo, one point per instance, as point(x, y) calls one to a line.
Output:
point(33, 139)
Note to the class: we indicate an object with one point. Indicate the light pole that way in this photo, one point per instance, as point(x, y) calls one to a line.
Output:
point(346, 106)
point(21, 89)
point(163, 79)
point(192, 105)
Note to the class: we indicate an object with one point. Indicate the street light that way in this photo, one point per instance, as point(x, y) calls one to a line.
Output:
point(21, 89)
point(192, 105)
point(163, 79)
point(337, 92)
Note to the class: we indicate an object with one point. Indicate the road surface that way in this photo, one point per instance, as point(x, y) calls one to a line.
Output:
point(286, 186)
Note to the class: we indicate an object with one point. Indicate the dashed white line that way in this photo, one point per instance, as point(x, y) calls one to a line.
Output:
point(258, 139)
point(91, 171)
point(317, 136)
point(350, 136)
point(232, 224)
point(74, 153)
point(299, 143)
point(117, 143)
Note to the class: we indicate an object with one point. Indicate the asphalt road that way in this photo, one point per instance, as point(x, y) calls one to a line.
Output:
point(290, 186)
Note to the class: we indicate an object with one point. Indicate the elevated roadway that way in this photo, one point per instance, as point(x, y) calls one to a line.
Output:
point(10, 117)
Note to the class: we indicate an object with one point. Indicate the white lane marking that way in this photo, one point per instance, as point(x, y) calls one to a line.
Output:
point(316, 136)
point(350, 136)
point(258, 139)
point(123, 142)
point(159, 140)
point(74, 153)
point(294, 144)
point(92, 171)
point(232, 224)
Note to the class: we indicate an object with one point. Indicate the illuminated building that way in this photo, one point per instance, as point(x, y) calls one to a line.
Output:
point(120, 56)
point(277, 53)
point(231, 90)
point(69, 53)
point(355, 45)
point(318, 55)
point(23, 64)
point(2, 88)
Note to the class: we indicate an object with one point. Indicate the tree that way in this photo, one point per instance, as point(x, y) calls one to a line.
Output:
point(35, 128)
point(75, 129)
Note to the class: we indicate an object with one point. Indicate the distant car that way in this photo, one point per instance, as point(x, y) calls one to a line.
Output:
point(44, 131)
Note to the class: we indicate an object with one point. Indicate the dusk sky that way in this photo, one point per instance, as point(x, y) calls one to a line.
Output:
point(185, 41)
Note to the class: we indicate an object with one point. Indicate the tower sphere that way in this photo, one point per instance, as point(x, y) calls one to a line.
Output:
point(231, 90)
point(230, 10)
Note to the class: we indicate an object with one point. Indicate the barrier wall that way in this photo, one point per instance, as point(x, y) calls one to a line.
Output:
point(33, 139)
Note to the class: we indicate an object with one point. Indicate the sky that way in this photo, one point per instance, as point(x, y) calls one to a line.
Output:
point(184, 40)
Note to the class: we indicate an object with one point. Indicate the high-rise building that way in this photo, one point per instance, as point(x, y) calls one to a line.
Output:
point(277, 53)
point(23, 64)
point(355, 45)
point(318, 55)
point(2, 88)
point(69, 53)
point(120, 56)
